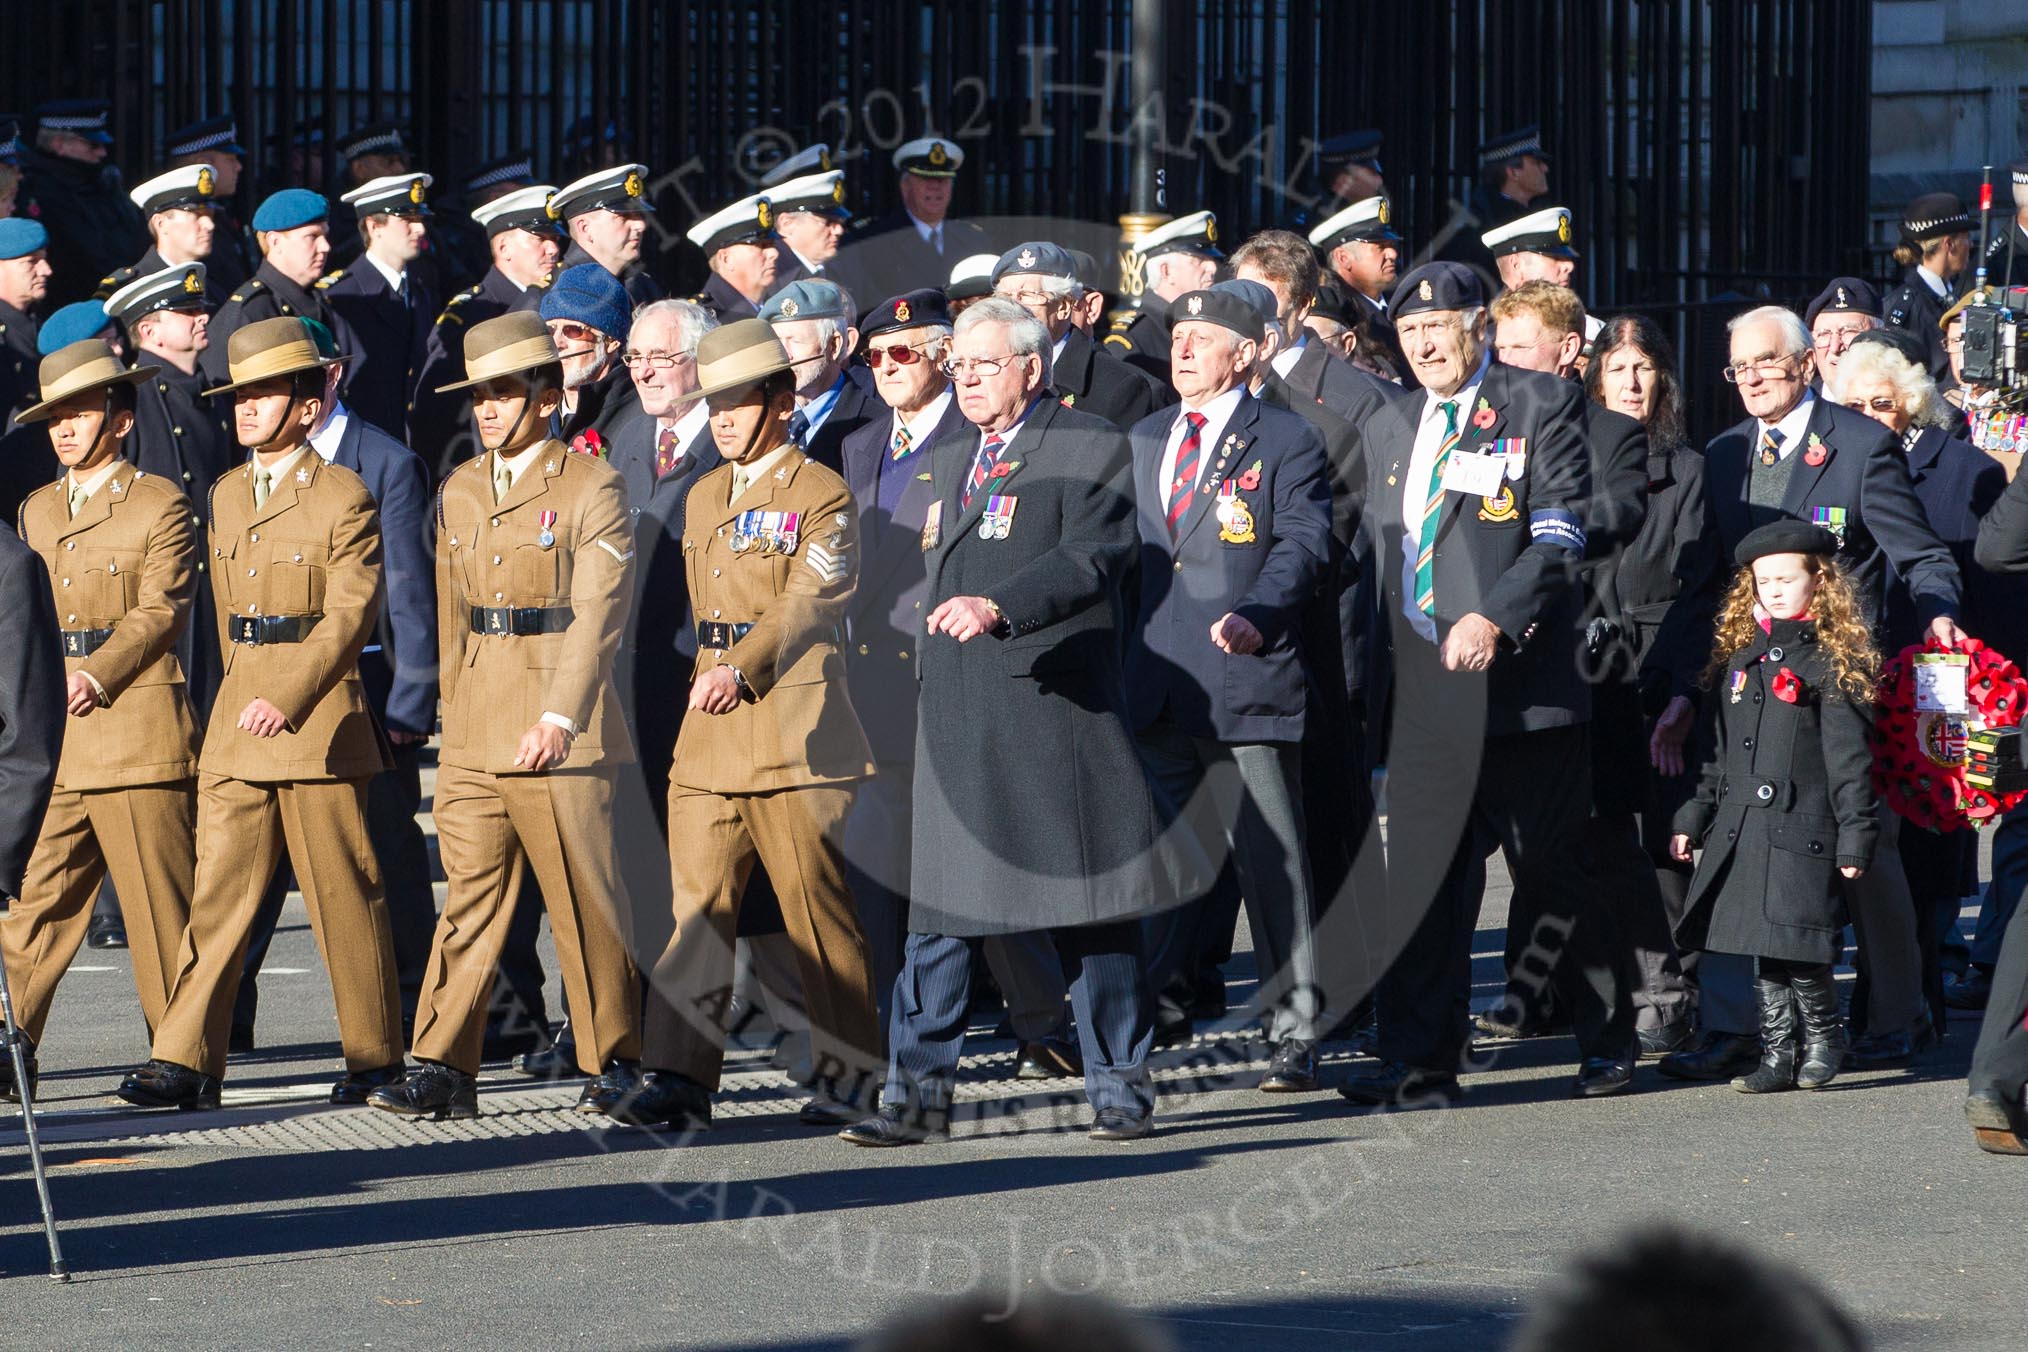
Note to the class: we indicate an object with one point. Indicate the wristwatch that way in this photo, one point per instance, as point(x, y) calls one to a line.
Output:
point(999, 615)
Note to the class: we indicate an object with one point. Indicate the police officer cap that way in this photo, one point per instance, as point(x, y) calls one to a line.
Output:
point(1784, 537)
point(1437, 286)
point(804, 298)
point(1933, 216)
point(592, 296)
point(971, 277)
point(10, 140)
point(523, 209)
point(180, 287)
point(1844, 295)
point(20, 236)
point(375, 138)
point(1352, 147)
point(1251, 293)
point(72, 324)
point(810, 160)
point(1038, 257)
point(516, 167)
point(1222, 308)
point(1512, 145)
point(931, 157)
point(908, 311)
point(80, 117)
point(1196, 233)
point(290, 209)
point(390, 195)
point(1544, 232)
point(219, 133)
point(2018, 170)
point(1904, 341)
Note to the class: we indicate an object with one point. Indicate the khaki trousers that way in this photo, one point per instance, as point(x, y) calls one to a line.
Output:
point(145, 837)
point(491, 829)
point(241, 831)
point(795, 834)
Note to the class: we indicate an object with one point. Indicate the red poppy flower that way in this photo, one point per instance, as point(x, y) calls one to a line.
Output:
point(1484, 418)
point(1785, 686)
point(589, 443)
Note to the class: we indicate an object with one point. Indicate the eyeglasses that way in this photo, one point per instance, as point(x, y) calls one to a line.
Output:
point(1881, 404)
point(1954, 343)
point(1835, 340)
point(958, 368)
point(1768, 368)
point(574, 331)
point(655, 361)
point(1032, 299)
point(901, 354)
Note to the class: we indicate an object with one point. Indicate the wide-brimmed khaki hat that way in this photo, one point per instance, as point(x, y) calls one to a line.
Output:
point(514, 343)
point(737, 356)
point(273, 347)
point(88, 364)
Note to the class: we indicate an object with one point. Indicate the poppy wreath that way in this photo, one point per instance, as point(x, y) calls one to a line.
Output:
point(1905, 774)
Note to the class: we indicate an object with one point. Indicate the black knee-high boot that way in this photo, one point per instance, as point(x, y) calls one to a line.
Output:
point(1777, 1069)
point(1824, 1039)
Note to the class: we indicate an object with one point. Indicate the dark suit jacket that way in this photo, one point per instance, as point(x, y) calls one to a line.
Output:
point(1667, 576)
point(1863, 476)
point(395, 336)
point(857, 406)
point(19, 361)
point(1265, 569)
point(32, 698)
point(405, 695)
point(1957, 483)
point(440, 429)
point(1339, 624)
point(1329, 379)
point(888, 257)
point(1518, 569)
point(1091, 380)
point(884, 619)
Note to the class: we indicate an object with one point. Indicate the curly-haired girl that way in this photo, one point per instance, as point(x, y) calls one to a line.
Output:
point(1786, 803)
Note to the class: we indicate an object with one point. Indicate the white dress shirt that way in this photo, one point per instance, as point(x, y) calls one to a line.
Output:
point(1285, 360)
point(1415, 485)
point(324, 441)
point(922, 424)
point(394, 279)
point(1217, 413)
point(1793, 427)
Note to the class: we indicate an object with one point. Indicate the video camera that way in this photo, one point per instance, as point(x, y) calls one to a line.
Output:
point(1993, 338)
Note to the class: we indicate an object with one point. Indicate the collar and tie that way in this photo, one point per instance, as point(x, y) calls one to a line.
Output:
point(902, 443)
point(264, 482)
point(982, 468)
point(1771, 445)
point(1432, 512)
point(666, 452)
point(79, 496)
point(1188, 453)
point(503, 479)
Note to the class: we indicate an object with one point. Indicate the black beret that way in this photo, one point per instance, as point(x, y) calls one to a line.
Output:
point(1437, 286)
point(910, 310)
point(1784, 537)
point(1901, 340)
point(1845, 295)
point(1222, 308)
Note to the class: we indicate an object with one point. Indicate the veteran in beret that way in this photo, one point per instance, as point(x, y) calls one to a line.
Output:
point(292, 228)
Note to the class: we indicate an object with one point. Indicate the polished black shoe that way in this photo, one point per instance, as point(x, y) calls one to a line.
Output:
point(1174, 1032)
point(429, 1090)
point(1048, 1059)
point(1293, 1070)
point(1714, 1057)
point(826, 1112)
point(664, 1098)
point(357, 1084)
point(1603, 1076)
point(895, 1125)
point(164, 1084)
point(1889, 1051)
point(1997, 1122)
point(10, 1090)
point(107, 931)
point(1972, 990)
point(1671, 1037)
point(608, 1087)
point(1399, 1085)
point(1119, 1124)
point(557, 1061)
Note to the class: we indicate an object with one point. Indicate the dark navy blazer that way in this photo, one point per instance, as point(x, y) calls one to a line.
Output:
point(407, 636)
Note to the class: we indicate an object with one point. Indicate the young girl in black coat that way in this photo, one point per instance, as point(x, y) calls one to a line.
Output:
point(1786, 803)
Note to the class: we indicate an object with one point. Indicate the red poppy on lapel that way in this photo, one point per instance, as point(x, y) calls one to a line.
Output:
point(1485, 417)
point(1816, 455)
point(589, 443)
point(1785, 686)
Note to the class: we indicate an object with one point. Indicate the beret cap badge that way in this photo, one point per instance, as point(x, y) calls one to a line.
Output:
point(1424, 290)
point(901, 311)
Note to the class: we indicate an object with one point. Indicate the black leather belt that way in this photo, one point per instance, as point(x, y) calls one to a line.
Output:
point(259, 629)
point(721, 634)
point(84, 642)
point(520, 621)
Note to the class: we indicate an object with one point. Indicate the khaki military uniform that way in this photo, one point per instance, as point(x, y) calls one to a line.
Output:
point(122, 571)
point(298, 589)
point(771, 780)
point(533, 592)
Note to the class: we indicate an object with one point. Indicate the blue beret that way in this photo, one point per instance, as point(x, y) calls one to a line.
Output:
point(72, 324)
point(20, 236)
point(291, 208)
point(1038, 256)
point(804, 298)
point(1437, 286)
point(590, 295)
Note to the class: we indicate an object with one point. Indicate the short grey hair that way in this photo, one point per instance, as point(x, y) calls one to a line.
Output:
point(1786, 321)
point(1026, 335)
point(1912, 384)
point(691, 321)
point(1051, 285)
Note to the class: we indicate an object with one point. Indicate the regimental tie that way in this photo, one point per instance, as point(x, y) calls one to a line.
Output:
point(1770, 445)
point(902, 445)
point(982, 469)
point(264, 479)
point(1185, 482)
point(78, 498)
point(1432, 513)
point(665, 452)
point(503, 479)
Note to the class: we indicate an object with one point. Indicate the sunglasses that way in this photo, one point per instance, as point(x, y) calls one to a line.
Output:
point(901, 354)
point(1879, 404)
point(576, 332)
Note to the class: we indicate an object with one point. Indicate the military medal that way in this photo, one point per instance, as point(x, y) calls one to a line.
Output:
point(1738, 685)
point(1831, 519)
point(933, 526)
point(998, 518)
point(742, 534)
point(547, 537)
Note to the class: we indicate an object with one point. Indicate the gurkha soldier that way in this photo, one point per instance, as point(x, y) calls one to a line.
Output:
point(295, 571)
point(770, 752)
point(121, 559)
point(535, 565)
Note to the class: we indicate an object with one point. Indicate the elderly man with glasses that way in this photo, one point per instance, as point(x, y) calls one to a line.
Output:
point(1844, 309)
point(1800, 457)
point(1041, 278)
point(813, 319)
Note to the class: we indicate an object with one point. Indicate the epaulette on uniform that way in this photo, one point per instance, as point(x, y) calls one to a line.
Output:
point(324, 282)
point(450, 314)
point(254, 286)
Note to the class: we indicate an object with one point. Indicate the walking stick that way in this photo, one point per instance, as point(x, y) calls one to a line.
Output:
point(58, 1269)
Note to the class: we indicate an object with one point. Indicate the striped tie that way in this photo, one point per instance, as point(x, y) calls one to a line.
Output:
point(902, 444)
point(1770, 445)
point(1185, 482)
point(982, 469)
point(1432, 512)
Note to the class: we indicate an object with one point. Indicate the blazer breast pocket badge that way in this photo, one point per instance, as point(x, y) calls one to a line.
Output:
point(1235, 518)
point(1499, 507)
point(998, 518)
point(933, 526)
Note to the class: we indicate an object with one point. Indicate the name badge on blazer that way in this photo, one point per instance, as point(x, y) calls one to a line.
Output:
point(933, 526)
point(1475, 474)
